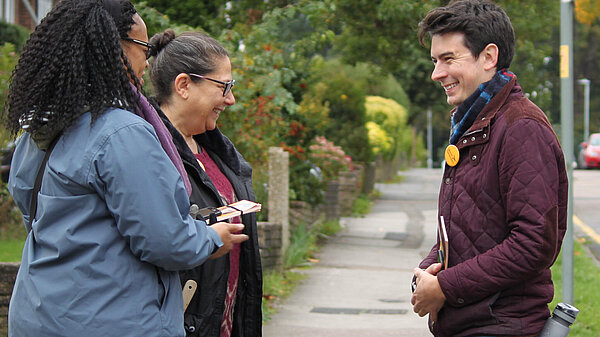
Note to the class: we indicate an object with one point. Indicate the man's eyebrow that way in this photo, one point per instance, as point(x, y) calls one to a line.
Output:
point(442, 55)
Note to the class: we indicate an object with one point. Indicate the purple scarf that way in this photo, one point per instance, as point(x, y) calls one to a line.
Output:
point(151, 116)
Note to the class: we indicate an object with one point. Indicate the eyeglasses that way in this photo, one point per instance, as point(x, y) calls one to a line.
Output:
point(150, 47)
point(228, 85)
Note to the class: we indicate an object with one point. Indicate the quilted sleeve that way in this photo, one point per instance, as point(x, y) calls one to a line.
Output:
point(431, 257)
point(529, 174)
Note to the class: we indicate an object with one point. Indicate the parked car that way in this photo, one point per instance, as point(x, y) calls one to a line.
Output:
point(589, 155)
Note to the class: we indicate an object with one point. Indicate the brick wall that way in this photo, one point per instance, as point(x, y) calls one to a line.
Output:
point(22, 15)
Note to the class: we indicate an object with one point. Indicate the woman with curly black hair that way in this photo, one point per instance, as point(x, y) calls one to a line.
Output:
point(97, 181)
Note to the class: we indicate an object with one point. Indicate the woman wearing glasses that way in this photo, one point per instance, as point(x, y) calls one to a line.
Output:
point(191, 75)
point(109, 224)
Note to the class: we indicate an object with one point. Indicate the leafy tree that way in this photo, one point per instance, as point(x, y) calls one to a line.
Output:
point(15, 34)
point(8, 61)
point(273, 43)
point(586, 52)
point(215, 16)
point(157, 22)
point(384, 32)
point(188, 12)
point(386, 120)
point(535, 47)
point(345, 94)
point(587, 11)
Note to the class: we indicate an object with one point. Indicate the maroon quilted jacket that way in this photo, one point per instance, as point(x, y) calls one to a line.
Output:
point(505, 208)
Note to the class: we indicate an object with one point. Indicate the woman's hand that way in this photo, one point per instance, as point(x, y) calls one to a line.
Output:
point(227, 233)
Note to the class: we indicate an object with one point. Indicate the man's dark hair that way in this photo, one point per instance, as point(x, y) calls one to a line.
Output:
point(72, 63)
point(482, 22)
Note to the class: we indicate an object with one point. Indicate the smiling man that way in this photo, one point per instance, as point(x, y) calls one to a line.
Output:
point(503, 196)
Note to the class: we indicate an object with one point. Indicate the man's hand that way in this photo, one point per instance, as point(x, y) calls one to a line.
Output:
point(227, 233)
point(428, 297)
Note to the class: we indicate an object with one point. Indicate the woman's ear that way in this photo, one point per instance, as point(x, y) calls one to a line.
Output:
point(182, 84)
point(490, 56)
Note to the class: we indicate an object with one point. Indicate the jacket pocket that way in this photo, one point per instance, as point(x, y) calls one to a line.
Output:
point(452, 320)
point(161, 289)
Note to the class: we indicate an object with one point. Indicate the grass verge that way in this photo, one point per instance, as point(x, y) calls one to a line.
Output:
point(277, 285)
point(586, 278)
point(397, 179)
point(12, 240)
point(362, 206)
point(11, 250)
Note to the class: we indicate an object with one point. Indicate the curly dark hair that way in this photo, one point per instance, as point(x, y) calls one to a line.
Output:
point(72, 63)
point(482, 22)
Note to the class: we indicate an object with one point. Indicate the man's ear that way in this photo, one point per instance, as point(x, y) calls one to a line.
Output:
point(490, 56)
point(182, 84)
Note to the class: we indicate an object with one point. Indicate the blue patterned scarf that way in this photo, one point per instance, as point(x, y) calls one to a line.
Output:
point(464, 116)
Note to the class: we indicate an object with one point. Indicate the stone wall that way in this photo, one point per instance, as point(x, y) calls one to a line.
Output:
point(339, 197)
point(8, 274)
point(279, 193)
point(368, 183)
point(349, 189)
point(331, 201)
point(302, 212)
point(269, 241)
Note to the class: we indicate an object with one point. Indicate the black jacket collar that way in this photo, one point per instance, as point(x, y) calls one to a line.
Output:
point(214, 141)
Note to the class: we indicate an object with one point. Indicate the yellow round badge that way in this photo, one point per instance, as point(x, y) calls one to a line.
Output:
point(452, 155)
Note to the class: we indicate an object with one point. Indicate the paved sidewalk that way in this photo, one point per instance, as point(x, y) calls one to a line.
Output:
point(361, 284)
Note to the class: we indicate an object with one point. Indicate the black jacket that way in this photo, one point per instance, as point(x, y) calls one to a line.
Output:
point(204, 314)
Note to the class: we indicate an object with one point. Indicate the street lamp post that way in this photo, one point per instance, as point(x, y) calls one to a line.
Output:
point(586, 108)
point(566, 122)
point(429, 140)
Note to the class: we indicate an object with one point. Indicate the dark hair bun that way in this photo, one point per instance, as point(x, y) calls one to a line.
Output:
point(161, 40)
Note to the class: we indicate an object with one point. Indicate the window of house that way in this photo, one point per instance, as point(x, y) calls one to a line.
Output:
point(43, 7)
point(7, 10)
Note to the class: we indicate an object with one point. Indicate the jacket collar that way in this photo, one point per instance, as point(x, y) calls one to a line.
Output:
point(487, 115)
point(489, 112)
point(214, 141)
